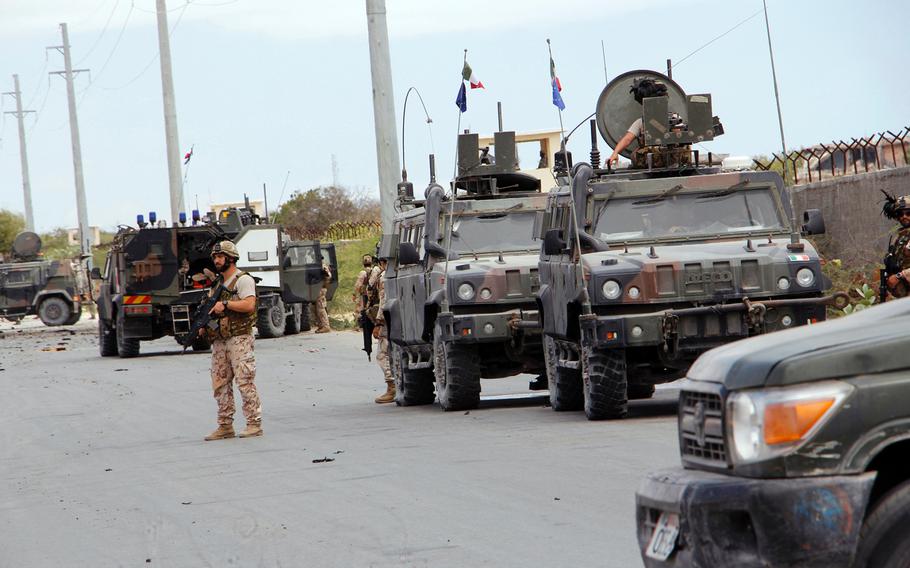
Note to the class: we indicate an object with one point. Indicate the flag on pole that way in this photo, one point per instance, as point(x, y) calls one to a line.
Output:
point(186, 158)
point(557, 86)
point(461, 101)
point(468, 75)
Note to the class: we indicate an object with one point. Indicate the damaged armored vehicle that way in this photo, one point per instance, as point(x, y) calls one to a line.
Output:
point(154, 277)
point(644, 268)
point(461, 279)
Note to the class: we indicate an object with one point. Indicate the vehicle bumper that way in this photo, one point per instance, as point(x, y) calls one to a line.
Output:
point(702, 327)
point(488, 328)
point(733, 521)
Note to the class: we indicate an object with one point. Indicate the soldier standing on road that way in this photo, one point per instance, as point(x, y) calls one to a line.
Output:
point(897, 262)
point(232, 346)
point(360, 287)
point(322, 316)
point(381, 332)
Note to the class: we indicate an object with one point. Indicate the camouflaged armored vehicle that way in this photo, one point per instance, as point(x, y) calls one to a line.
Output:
point(31, 285)
point(155, 276)
point(461, 280)
point(643, 269)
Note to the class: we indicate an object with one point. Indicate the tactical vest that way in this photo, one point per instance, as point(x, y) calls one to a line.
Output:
point(899, 254)
point(236, 323)
point(661, 157)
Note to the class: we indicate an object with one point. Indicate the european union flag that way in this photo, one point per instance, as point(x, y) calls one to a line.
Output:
point(461, 101)
point(557, 86)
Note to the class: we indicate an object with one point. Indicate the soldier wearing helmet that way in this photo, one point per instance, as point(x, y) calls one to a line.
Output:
point(897, 261)
point(380, 332)
point(232, 345)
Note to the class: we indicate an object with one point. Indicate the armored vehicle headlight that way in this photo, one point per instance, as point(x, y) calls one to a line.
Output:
point(634, 292)
point(485, 294)
point(783, 283)
point(771, 422)
point(611, 289)
point(466, 291)
point(805, 277)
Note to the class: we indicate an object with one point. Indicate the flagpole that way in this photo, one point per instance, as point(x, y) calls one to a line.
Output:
point(579, 271)
point(445, 272)
point(458, 131)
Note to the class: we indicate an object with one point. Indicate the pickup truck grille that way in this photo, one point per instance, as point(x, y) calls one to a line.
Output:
point(701, 428)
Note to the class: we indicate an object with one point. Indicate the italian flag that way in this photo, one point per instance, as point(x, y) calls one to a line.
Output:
point(468, 75)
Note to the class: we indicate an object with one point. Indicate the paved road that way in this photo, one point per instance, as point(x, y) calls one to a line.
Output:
point(102, 463)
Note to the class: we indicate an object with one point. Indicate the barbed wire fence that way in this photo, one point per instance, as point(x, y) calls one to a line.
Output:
point(339, 231)
point(879, 151)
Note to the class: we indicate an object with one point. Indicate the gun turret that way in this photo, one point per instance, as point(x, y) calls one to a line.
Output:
point(26, 246)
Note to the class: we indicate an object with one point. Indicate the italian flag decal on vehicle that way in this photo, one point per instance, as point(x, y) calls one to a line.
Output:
point(798, 257)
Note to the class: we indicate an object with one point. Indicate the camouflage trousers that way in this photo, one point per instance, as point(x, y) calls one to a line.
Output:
point(233, 360)
point(322, 317)
point(382, 353)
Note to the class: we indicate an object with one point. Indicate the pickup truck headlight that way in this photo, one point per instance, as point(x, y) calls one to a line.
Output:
point(766, 423)
point(805, 277)
point(466, 291)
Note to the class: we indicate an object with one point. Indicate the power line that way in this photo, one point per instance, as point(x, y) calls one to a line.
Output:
point(101, 35)
point(676, 63)
point(110, 55)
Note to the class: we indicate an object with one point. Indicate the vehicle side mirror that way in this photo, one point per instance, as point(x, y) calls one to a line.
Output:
point(96, 273)
point(813, 222)
point(435, 250)
point(407, 254)
point(553, 243)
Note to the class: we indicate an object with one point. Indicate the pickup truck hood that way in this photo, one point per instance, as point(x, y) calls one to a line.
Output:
point(874, 340)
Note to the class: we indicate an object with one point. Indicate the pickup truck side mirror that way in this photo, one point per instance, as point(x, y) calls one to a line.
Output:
point(813, 222)
point(96, 273)
point(553, 243)
point(407, 254)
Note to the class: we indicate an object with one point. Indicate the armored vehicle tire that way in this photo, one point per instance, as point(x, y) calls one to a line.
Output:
point(305, 317)
point(605, 383)
point(292, 322)
point(457, 372)
point(884, 541)
point(107, 339)
point(201, 344)
point(270, 321)
point(564, 384)
point(640, 392)
point(77, 315)
point(54, 311)
point(126, 348)
point(413, 387)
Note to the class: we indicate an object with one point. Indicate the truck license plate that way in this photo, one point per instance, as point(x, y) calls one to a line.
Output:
point(663, 539)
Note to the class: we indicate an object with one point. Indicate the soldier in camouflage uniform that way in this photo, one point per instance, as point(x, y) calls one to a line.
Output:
point(322, 316)
point(897, 262)
point(381, 333)
point(232, 346)
point(360, 287)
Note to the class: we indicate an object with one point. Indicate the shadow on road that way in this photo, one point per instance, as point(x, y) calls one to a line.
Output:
point(664, 403)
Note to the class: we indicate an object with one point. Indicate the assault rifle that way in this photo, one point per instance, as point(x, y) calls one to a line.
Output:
point(891, 267)
point(202, 316)
point(366, 326)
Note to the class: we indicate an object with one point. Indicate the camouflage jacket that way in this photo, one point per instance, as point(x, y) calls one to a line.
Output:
point(235, 323)
point(900, 251)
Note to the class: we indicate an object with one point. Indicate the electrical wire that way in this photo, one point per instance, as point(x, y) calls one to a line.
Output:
point(677, 63)
point(109, 56)
point(97, 41)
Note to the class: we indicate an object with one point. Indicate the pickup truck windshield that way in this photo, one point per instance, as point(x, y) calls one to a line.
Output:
point(714, 212)
point(494, 232)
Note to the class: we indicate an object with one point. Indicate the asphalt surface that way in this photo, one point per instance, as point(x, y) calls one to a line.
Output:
point(102, 463)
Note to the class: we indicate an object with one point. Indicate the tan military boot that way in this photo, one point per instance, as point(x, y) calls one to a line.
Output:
point(324, 330)
point(251, 430)
point(388, 395)
point(223, 431)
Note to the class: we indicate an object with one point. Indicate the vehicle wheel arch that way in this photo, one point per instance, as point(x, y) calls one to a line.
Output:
point(891, 466)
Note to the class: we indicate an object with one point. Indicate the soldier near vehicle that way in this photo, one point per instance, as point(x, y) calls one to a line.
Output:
point(231, 337)
point(381, 332)
point(360, 287)
point(30, 285)
point(645, 268)
point(155, 276)
point(322, 315)
point(896, 272)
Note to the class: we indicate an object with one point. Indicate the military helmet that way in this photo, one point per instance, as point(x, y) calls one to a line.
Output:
point(227, 248)
point(894, 205)
point(646, 87)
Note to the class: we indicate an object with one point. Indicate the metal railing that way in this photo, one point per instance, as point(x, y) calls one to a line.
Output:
point(840, 158)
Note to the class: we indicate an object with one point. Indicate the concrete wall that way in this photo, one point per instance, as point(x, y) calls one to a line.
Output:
point(857, 232)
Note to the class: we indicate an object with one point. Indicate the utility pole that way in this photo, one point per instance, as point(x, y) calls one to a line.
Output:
point(85, 239)
point(23, 154)
point(175, 182)
point(383, 110)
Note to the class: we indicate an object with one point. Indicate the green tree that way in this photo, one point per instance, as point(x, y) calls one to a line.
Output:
point(11, 224)
point(311, 212)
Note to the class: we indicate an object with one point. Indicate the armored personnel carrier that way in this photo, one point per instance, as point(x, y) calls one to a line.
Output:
point(154, 276)
point(30, 285)
point(642, 269)
point(461, 279)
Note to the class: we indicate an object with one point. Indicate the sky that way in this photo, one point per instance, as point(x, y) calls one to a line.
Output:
point(275, 90)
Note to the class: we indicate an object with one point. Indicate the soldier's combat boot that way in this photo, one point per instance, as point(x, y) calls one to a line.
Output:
point(324, 329)
point(388, 395)
point(251, 430)
point(223, 431)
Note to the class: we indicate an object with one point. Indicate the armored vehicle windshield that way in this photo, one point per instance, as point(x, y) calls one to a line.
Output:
point(493, 232)
point(703, 214)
